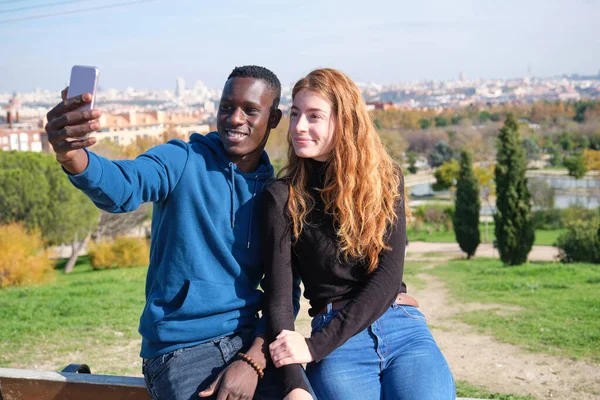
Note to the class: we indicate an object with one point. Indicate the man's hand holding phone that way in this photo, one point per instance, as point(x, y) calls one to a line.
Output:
point(71, 121)
point(67, 125)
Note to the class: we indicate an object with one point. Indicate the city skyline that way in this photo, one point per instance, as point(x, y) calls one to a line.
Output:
point(147, 45)
point(189, 85)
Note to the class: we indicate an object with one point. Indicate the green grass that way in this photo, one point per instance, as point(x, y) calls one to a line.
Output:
point(411, 270)
point(465, 389)
point(559, 304)
point(546, 238)
point(77, 312)
point(549, 168)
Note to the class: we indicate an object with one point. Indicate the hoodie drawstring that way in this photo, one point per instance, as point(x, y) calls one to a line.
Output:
point(231, 168)
point(252, 209)
point(231, 164)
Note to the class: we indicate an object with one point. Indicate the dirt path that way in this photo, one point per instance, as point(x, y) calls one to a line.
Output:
point(537, 253)
point(483, 361)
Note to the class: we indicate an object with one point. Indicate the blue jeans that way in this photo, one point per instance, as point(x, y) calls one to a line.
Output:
point(183, 373)
point(394, 358)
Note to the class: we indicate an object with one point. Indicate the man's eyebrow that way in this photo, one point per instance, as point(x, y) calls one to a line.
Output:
point(252, 104)
point(247, 103)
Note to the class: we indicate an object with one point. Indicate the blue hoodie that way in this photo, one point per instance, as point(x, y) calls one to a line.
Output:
point(205, 256)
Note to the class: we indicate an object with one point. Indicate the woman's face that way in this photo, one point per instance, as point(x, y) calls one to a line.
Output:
point(311, 126)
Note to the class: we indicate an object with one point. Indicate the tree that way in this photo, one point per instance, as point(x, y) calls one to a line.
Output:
point(440, 153)
point(440, 121)
point(112, 225)
point(592, 159)
point(484, 116)
point(556, 158)
point(548, 144)
point(565, 141)
point(485, 178)
point(514, 228)
point(446, 175)
point(378, 124)
point(576, 166)
point(580, 109)
point(424, 123)
point(583, 142)
point(36, 192)
point(393, 143)
point(412, 162)
point(456, 118)
point(72, 215)
point(467, 207)
point(532, 149)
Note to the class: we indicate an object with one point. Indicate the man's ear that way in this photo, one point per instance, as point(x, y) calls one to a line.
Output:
point(274, 118)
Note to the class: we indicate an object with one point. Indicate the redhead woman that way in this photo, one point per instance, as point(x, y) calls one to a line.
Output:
point(337, 216)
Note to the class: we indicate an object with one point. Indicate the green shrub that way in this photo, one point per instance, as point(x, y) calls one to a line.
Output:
point(548, 219)
point(23, 260)
point(581, 243)
point(560, 218)
point(578, 213)
point(122, 252)
point(436, 217)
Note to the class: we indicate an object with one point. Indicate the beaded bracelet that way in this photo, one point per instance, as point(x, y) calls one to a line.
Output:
point(248, 359)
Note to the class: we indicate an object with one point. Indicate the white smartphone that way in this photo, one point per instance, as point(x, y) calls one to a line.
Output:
point(84, 79)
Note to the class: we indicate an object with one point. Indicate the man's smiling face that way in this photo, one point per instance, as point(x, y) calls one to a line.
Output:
point(244, 116)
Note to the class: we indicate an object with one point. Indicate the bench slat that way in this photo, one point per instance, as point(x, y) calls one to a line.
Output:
point(22, 384)
point(17, 384)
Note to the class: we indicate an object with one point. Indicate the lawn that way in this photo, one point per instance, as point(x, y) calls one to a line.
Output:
point(558, 304)
point(465, 389)
point(76, 316)
point(546, 238)
point(92, 317)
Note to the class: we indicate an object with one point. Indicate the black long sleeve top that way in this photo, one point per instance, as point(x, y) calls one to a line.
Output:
point(327, 276)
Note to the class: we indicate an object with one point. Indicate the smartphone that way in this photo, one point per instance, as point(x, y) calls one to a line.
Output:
point(84, 79)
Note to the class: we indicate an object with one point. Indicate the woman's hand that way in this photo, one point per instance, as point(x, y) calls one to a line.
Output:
point(289, 348)
point(298, 394)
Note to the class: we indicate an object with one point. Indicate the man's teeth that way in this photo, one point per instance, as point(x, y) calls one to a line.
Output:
point(236, 135)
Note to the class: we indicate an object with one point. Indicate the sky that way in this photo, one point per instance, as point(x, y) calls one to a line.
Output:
point(147, 45)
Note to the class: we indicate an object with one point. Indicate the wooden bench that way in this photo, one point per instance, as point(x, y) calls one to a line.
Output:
point(73, 383)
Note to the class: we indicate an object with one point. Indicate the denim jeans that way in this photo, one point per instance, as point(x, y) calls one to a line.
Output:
point(394, 358)
point(183, 373)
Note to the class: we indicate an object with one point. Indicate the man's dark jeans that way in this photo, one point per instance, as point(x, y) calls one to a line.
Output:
point(183, 373)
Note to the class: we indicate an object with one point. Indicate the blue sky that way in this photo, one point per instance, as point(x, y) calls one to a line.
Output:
point(148, 45)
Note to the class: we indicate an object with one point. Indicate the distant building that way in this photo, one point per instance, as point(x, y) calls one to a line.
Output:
point(12, 110)
point(179, 87)
point(20, 137)
point(124, 128)
point(569, 96)
point(378, 105)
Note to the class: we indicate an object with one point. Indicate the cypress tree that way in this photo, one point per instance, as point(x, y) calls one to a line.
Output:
point(514, 228)
point(467, 207)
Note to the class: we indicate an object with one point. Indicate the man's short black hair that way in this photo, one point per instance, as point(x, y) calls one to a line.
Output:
point(262, 73)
